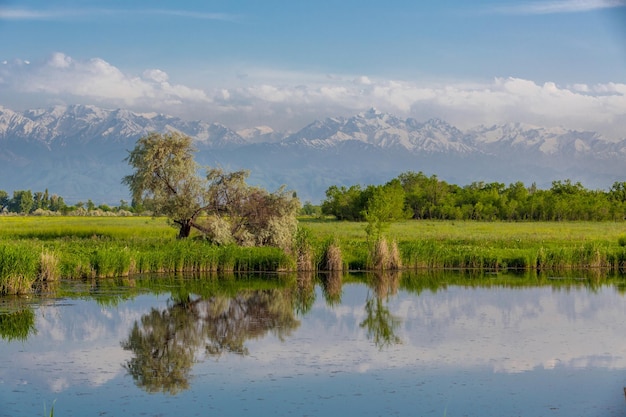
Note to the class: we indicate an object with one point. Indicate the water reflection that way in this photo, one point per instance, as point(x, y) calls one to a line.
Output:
point(368, 344)
point(382, 326)
point(17, 325)
point(331, 286)
point(166, 344)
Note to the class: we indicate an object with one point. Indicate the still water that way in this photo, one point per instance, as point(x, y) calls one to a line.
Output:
point(367, 345)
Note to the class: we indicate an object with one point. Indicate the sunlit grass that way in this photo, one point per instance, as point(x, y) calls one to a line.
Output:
point(486, 245)
point(36, 249)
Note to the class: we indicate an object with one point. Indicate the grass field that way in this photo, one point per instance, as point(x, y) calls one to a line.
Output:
point(43, 249)
point(492, 245)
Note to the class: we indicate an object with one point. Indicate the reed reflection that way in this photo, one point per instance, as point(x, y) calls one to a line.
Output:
point(167, 343)
point(17, 325)
point(332, 283)
point(305, 292)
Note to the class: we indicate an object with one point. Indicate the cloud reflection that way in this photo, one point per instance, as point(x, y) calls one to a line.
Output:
point(505, 330)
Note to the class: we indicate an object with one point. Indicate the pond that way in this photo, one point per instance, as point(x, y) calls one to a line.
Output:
point(440, 344)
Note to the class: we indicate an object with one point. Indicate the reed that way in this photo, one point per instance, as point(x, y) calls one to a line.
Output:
point(379, 255)
point(303, 250)
point(332, 259)
point(48, 267)
point(19, 266)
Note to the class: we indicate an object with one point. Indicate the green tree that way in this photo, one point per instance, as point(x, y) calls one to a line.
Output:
point(248, 215)
point(344, 203)
point(166, 181)
point(4, 200)
point(384, 204)
point(57, 203)
point(22, 202)
point(165, 174)
point(308, 209)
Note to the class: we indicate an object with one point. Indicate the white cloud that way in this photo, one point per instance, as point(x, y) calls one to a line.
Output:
point(559, 6)
point(156, 75)
point(289, 100)
point(8, 13)
point(95, 80)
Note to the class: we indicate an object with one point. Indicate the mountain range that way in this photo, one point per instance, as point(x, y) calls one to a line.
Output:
point(78, 151)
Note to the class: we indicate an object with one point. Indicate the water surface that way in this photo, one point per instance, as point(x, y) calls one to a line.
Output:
point(333, 346)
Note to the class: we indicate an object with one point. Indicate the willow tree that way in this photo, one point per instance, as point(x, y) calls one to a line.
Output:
point(166, 176)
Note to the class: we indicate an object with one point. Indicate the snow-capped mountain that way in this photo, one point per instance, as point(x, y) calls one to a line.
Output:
point(385, 131)
point(541, 141)
point(62, 125)
point(78, 151)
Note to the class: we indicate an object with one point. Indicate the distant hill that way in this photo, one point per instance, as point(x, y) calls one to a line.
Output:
point(78, 152)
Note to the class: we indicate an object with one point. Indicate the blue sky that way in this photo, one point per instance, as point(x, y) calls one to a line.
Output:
point(285, 63)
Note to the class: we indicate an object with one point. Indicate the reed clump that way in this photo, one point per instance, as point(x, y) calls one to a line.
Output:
point(48, 267)
point(384, 256)
point(303, 250)
point(332, 259)
point(19, 266)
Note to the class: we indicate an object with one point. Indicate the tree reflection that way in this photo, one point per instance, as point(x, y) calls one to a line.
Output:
point(17, 325)
point(381, 325)
point(167, 343)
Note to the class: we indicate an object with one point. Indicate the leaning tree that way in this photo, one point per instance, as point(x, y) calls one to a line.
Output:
point(166, 179)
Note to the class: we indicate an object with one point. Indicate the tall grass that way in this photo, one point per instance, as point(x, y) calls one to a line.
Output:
point(43, 249)
point(19, 265)
point(332, 259)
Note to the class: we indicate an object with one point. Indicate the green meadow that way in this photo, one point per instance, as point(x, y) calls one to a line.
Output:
point(37, 251)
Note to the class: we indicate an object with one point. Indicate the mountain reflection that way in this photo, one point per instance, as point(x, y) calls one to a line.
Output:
point(165, 344)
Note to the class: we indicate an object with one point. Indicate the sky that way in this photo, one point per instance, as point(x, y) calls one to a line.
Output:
point(281, 63)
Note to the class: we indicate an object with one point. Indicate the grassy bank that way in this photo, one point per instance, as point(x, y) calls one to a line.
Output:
point(35, 249)
point(44, 249)
point(485, 245)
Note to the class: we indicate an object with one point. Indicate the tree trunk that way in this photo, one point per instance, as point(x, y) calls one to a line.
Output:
point(185, 229)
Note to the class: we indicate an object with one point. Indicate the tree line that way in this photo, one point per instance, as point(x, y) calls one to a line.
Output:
point(42, 202)
point(417, 196)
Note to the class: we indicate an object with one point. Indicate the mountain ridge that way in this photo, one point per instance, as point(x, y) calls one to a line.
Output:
point(370, 147)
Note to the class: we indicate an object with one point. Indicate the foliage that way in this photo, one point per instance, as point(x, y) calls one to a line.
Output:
point(22, 202)
point(4, 200)
point(165, 180)
point(431, 198)
point(246, 215)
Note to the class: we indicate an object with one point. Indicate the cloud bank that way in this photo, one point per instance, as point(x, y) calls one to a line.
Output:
point(288, 100)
